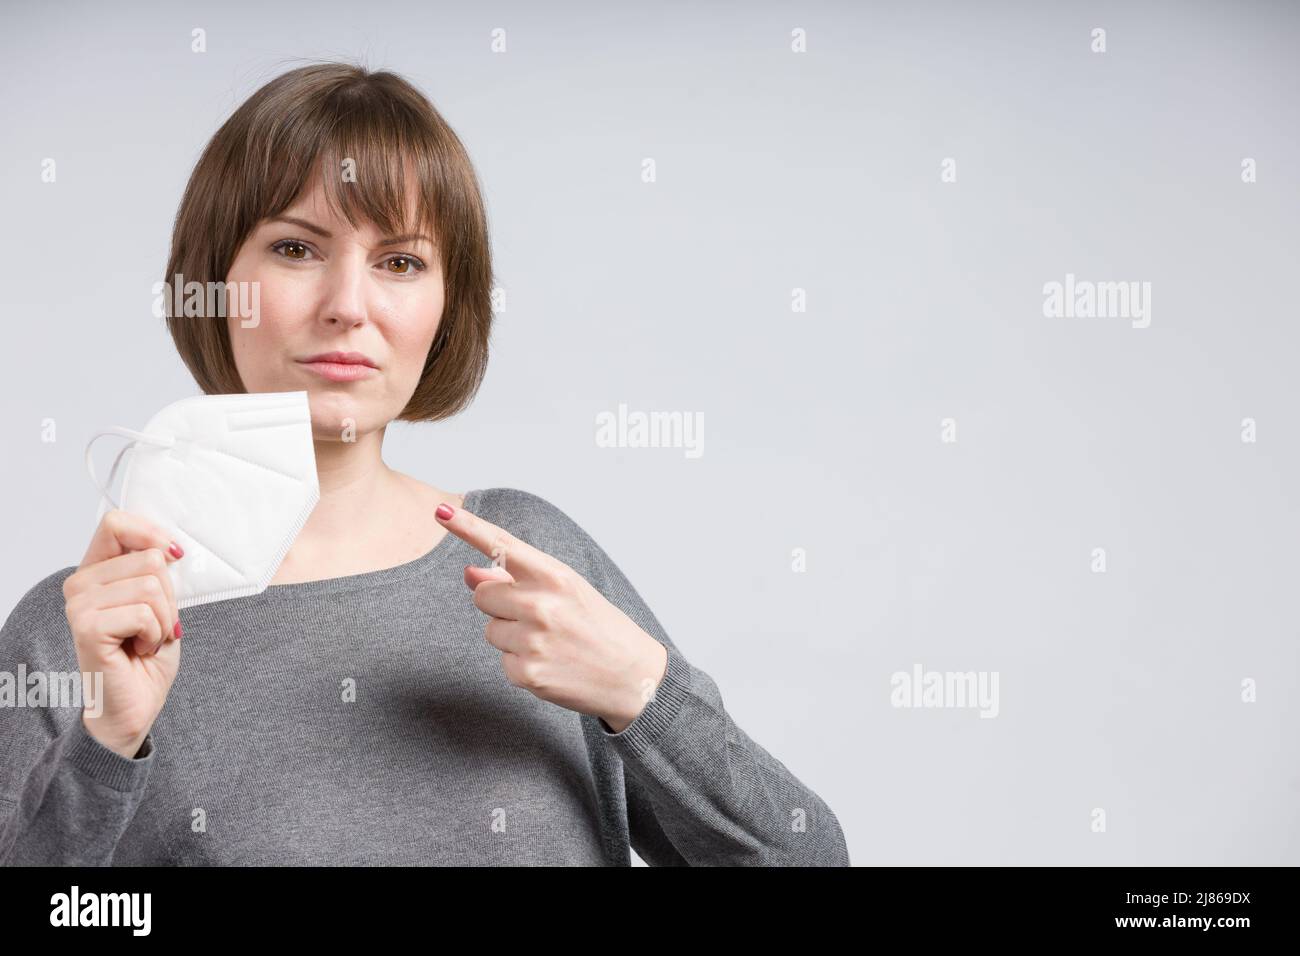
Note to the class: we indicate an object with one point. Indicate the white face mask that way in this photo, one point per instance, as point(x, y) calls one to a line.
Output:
point(231, 477)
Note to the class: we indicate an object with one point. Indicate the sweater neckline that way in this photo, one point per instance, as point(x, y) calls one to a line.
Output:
point(377, 578)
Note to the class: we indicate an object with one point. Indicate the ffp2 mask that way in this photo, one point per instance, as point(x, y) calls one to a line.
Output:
point(231, 477)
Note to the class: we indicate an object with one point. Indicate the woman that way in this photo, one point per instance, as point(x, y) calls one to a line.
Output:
point(361, 710)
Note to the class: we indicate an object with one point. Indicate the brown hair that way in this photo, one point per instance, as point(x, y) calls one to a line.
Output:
point(307, 122)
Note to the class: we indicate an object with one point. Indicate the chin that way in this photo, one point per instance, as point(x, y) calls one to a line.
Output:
point(334, 431)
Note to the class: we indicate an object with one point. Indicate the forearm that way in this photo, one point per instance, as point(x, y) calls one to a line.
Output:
point(719, 797)
point(74, 804)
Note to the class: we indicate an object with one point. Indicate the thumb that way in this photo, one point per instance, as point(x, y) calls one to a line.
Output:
point(474, 576)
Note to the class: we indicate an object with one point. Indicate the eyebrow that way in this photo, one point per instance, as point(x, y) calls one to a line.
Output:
point(326, 234)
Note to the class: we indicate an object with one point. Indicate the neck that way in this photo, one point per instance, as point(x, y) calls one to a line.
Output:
point(355, 482)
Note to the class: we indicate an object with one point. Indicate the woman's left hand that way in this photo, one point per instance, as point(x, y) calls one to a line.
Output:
point(558, 636)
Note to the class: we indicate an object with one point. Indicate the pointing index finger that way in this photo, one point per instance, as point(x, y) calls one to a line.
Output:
point(519, 558)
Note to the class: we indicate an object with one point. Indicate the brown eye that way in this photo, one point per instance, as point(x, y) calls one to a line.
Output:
point(291, 249)
point(404, 265)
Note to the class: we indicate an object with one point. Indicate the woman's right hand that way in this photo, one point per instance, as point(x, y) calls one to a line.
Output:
point(125, 625)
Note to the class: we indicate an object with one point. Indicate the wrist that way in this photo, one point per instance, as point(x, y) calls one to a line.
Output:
point(124, 745)
point(641, 690)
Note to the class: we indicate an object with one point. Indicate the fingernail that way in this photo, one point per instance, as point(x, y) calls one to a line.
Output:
point(177, 631)
point(175, 550)
point(444, 512)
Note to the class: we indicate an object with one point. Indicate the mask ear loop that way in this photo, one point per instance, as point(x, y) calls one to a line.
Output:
point(160, 440)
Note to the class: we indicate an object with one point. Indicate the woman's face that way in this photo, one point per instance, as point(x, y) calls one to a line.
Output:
point(326, 287)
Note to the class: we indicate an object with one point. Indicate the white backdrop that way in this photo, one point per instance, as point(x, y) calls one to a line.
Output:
point(839, 268)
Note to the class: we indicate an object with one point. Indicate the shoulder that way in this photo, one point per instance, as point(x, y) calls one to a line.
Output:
point(44, 599)
point(39, 619)
point(547, 527)
point(536, 520)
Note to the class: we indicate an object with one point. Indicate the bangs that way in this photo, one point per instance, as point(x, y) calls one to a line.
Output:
point(366, 154)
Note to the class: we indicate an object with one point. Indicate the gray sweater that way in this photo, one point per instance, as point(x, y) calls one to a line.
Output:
point(261, 755)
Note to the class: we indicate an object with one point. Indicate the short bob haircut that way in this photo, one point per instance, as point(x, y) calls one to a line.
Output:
point(307, 122)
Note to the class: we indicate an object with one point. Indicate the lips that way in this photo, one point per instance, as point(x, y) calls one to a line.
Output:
point(340, 366)
point(341, 358)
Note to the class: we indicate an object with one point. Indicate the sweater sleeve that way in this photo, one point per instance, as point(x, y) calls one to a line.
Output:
point(700, 791)
point(65, 798)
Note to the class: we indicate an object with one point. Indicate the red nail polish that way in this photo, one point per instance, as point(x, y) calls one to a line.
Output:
point(444, 512)
point(175, 550)
point(178, 630)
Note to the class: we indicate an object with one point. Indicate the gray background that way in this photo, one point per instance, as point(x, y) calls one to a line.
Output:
point(817, 171)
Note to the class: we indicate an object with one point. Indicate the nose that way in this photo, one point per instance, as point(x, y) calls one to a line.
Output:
point(344, 304)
